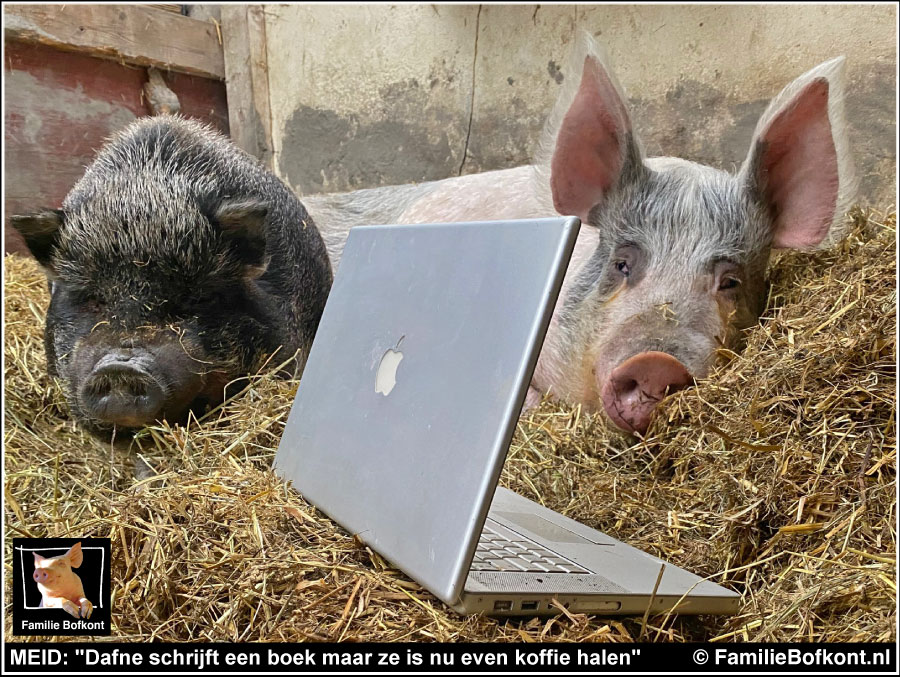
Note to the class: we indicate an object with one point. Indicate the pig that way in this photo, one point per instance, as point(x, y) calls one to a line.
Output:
point(61, 587)
point(176, 265)
point(670, 264)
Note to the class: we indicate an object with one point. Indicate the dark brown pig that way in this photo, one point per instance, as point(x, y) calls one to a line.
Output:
point(176, 265)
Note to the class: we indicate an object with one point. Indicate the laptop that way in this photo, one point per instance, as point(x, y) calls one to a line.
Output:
point(406, 409)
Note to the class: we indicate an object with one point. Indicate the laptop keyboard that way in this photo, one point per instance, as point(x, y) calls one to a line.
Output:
point(502, 549)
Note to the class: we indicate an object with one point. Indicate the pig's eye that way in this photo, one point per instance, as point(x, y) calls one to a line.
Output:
point(625, 265)
point(727, 278)
point(92, 305)
point(87, 302)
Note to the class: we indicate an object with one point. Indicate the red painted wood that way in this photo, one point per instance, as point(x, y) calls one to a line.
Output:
point(61, 106)
point(200, 98)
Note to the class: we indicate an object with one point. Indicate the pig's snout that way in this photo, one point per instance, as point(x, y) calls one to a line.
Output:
point(120, 390)
point(636, 386)
point(40, 576)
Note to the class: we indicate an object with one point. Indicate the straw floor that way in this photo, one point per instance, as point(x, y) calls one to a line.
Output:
point(775, 477)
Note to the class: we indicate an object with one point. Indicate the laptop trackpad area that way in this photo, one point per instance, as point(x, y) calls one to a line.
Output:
point(546, 529)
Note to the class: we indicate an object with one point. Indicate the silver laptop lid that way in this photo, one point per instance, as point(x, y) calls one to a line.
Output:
point(412, 473)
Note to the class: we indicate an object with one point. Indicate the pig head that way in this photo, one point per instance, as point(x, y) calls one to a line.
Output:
point(676, 252)
point(139, 330)
point(60, 586)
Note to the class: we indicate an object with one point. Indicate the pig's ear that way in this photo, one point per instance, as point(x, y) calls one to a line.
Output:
point(38, 560)
point(40, 232)
point(799, 165)
point(75, 556)
point(243, 224)
point(589, 138)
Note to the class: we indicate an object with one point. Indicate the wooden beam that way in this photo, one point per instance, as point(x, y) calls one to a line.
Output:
point(132, 34)
point(247, 79)
point(175, 9)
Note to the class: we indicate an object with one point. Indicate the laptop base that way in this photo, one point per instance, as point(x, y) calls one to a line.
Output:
point(609, 577)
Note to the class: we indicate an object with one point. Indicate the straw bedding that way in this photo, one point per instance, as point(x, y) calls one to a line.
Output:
point(775, 476)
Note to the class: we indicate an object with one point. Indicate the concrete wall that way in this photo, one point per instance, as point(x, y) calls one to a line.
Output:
point(373, 95)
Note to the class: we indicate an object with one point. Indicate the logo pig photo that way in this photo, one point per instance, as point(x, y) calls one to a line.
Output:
point(61, 586)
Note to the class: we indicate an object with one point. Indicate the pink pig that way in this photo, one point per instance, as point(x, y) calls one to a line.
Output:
point(670, 263)
point(59, 585)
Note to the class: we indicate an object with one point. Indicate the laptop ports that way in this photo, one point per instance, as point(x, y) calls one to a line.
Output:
point(503, 605)
point(529, 606)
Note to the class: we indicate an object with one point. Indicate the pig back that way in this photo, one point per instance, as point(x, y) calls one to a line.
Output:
point(516, 193)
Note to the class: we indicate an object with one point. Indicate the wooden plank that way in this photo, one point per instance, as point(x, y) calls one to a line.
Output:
point(259, 69)
point(132, 34)
point(175, 9)
point(247, 79)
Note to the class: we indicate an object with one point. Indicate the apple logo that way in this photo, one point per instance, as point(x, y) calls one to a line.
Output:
point(386, 376)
